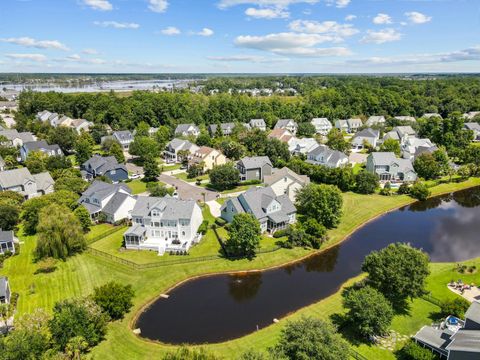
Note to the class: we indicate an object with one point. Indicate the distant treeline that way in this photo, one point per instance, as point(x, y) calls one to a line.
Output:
point(331, 97)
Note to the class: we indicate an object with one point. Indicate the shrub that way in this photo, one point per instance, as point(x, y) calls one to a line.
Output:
point(455, 307)
point(47, 265)
point(404, 189)
point(280, 233)
point(203, 227)
point(413, 351)
point(420, 191)
point(115, 299)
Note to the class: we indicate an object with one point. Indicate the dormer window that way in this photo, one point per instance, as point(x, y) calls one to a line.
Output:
point(155, 212)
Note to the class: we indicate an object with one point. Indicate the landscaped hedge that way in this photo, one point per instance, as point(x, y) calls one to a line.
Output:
point(203, 227)
point(220, 221)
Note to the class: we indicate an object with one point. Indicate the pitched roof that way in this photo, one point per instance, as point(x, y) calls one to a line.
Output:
point(179, 144)
point(15, 177)
point(473, 312)
point(181, 128)
point(406, 118)
point(434, 337)
point(115, 203)
point(372, 120)
point(368, 133)
point(124, 135)
point(12, 134)
point(102, 164)
point(255, 162)
point(388, 158)
point(173, 209)
point(283, 123)
point(465, 341)
point(44, 181)
point(281, 134)
point(472, 126)
point(286, 172)
point(6, 235)
point(257, 123)
point(226, 127)
point(40, 145)
point(320, 122)
point(355, 121)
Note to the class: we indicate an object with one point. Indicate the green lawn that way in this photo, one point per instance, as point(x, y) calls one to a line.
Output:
point(137, 186)
point(184, 177)
point(80, 274)
point(170, 167)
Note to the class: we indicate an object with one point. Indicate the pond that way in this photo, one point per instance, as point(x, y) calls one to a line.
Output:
point(223, 307)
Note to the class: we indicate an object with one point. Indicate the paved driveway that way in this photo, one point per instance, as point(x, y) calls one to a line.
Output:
point(188, 191)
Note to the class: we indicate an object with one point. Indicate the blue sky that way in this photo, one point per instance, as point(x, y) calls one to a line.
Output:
point(240, 36)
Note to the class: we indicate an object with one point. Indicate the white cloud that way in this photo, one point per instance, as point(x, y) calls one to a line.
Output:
point(170, 31)
point(39, 44)
point(338, 3)
point(267, 13)
point(381, 36)
point(283, 4)
point(158, 6)
point(103, 5)
point(382, 19)
point(350, 17)
point(336, 30)
point(117, 25)
point(417, 18)
point(31, 57)
point(205, 32)
point(469, 54)
point(247, 58)
point(293, 44)
point(90, 51)
point(78, 59)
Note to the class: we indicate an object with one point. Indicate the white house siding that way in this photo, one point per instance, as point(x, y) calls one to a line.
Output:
point(288, 186)
point(124, 211)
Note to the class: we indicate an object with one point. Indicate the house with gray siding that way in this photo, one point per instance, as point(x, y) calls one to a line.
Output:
point(376, 121)
point(41, 146)
point(272, 212)
point(390, 168)
point(324, 156)
point(7, 241)
point(322, 125)
point(22, 181)
point(369, 136)
point(187, 130)
point(454, 339)
point(254, 168)
point(15, 138)
point(115, 201)
point(164, 224)
point(173, 150)
point(107, 166)
point(227, 129)
point(124, 138)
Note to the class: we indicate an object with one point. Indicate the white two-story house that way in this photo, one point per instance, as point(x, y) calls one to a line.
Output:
point(164, 224)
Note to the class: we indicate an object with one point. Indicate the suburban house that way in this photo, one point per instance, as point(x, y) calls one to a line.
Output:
point(375, 121)
point(286, 182)
point(475, 127)
point(273, 212)
point(16, 139)
point(164, 224)
point(400, 133)
point(322, 125)
point(8, 119)
point(21, 181)
point(42, 146)
point(124, 137)
point(323, 155)
point(175, 146)
point(78, 125)
point(47, 117)
point(209, 157)
point(341, 125)
point(187, 129)
point(104, 166)
point(56, 120)
point(412, 147)
point(298, 146)
point(4, 290)
point(405, 118)
point(2, 164)
point(369, 136)
point(258, 124)
point(390, 168)
point(354, 125)
point(471, 115)
point(115, 201)
point(431, 115)
point(454, 338)
point(287, 124)
point(281, 134)
point(227, 129)
point(254, 168)
point(7, 241)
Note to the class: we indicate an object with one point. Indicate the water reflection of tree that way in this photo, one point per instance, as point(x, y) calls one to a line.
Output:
point(469, 198)
point(244, 287)
point(431, 203)
point(324, 262)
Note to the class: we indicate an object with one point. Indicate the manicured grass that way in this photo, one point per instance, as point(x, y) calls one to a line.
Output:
point(184, 177)
point(137, 186)
point(170, 167)
point(96, 230)
point(80, 274)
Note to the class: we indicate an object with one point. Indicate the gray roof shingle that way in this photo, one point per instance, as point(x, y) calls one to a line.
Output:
point(255, 162)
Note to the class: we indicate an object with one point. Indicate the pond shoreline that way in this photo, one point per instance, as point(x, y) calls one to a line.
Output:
point(133, 321)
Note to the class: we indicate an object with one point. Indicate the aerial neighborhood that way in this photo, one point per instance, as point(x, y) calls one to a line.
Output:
point(145, 194)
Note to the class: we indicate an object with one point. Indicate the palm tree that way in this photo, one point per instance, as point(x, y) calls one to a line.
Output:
point(75, 347)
